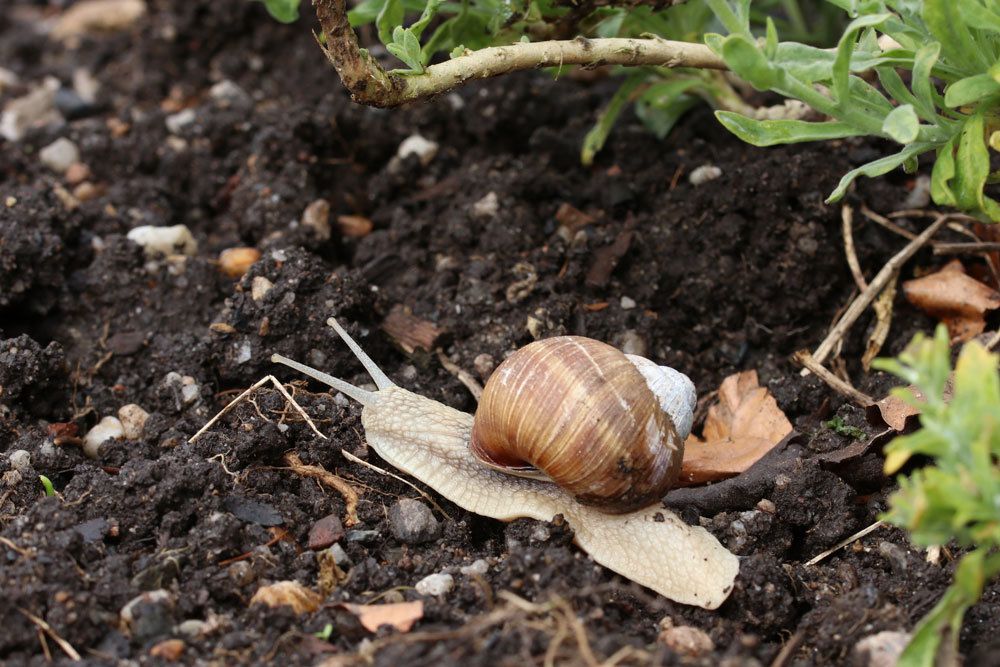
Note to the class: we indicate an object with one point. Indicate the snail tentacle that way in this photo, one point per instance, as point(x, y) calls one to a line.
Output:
point(360, 395)
point(382, 380)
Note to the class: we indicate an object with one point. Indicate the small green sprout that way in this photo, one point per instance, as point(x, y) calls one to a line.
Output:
point(840, 427)
point(325, 633)
point(957, 497)
point(47, 485)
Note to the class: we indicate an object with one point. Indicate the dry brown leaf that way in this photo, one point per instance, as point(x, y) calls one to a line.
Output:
point(400, 615)
point(288, 593)
point(744, 425)
point(955, 298)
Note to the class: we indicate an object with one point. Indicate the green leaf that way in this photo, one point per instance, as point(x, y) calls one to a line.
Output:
point(902, 124)
point(877, 168)
point(893, 84)
point(406, 47)
point(944, 19)
point(845, 49)
point(430, 11)
point(972, 168)
point(598, 134)
point(977, 16)
point(389, 18)
point(662, 104)
point(749, 63)
point(970, 90)
point(734, 17)
point(774, 132)
point(923, 66)
point(944, 171)
point(286, 11)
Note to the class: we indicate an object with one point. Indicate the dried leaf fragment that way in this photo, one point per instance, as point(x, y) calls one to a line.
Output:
point(410, 331)
point(955, 298)
point(400, 615)
point(288, 593)
point(98, 16)
point(743, 426)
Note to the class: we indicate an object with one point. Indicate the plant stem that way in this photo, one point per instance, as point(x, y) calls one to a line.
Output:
point(370, 84)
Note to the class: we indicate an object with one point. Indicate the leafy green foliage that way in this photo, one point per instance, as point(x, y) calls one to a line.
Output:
point(949, 43)
point(955, 498)
point(286, 11)
point(840, 427)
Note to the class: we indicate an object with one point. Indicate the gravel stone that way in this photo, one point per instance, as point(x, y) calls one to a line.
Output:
point(412, 522)
point(435, 584)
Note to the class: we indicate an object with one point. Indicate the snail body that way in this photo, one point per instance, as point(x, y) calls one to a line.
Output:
point(432, 442)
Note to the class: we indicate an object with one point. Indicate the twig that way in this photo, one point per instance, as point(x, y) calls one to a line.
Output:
point(463, 375)
point(883, 321)
point(257, 385)
point(351, 457)
point(842, 387)
point(787, 650)
point(370, 84)
point(880, 219)
point(325, 476)
point(843, 543)
point(864, 299)
point(966, 248)
point(847, 222)
point(13, 547)
point(47, 629)
point(993, 341)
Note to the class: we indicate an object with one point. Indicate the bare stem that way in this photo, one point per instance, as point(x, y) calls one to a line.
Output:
point(370, 84)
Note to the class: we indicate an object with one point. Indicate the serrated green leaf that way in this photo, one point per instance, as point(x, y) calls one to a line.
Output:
point(970, 90)
point(774, 132)
point(286, 11)
point(902, 124)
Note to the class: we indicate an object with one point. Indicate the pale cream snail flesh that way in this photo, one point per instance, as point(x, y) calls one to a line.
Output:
point(650, 545)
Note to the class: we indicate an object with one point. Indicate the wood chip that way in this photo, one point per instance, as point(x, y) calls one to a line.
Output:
point(409, 331)
point(607, 258)
point(572, 218)
point(399, 615)
point(288, 594)
point(354, 226)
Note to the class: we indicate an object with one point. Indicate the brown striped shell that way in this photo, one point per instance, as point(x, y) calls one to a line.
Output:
point(586, 416)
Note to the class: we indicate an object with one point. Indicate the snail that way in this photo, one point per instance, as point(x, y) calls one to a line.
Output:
point(502, 465)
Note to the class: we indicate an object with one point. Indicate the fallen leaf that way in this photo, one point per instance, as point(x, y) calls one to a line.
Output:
point(410, 331)
point(743, 426)
point(572, 218)
point(400, 615)
point(955, 298)
point(288, 593)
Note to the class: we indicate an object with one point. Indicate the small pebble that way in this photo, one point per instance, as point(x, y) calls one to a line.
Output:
point(424, 149)
point(259, 287)
point(540, 533)
point(435, 584)
point(11, 478)
point(627, 303)
point(108, 428)
point(316, 216)
point(881, 649)
point(149, 615)
point(60, 155)
point(133, 419)
point(684, 639)
point(484, 365)
point(487, 207)
point(704, 174)
point(164, 240)
point(192, 627)
point(170, 650)
point(412, 522)
point(478, 566)
point(228, 93)
point(354, 226)
point(72, 106)
point(20, 460)
point(234, 262)
point(633, 343)
point(325, 532)
point(176, 123)
point(363, 536)
point(36, 109)
point(183, 386)
point(340, 556)
point(76, 173)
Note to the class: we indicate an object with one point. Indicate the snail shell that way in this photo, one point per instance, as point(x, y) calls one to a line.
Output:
point(607, 427)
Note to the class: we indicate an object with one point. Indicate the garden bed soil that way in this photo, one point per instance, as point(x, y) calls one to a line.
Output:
point(733, 274)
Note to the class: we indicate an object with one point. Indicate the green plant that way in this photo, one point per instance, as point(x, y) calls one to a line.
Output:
point(285, 11)
point(955, 498)
point(949, 43)
point(47, 485)
point(840, 427)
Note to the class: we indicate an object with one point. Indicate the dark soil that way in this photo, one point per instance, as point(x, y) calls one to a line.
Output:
point(734, 274)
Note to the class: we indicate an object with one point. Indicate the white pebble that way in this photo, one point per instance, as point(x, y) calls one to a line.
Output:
point(133, 419)
point(20, 460)
point(164, 240)
point(479, 566)
point(36, 109)
point(229, 93)
point(435, 584)
point(487, 207)
point(704, 174)
point(627, 303)
point(59, 155)
point(176, 123)
point(424, 149)
point(108, 428)
point(259, 287)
